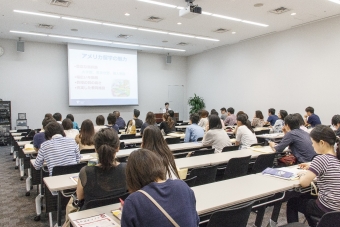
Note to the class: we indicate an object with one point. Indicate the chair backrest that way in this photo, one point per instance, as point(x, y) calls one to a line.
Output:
point(127, 136)
point(258, 132)
point(61, 170)
point(199, 139)
point(266, 131)
point(87, 151)
point(28, 138)
point(181, 155)
point(203, 152)
point(104, 201)
point(24, 130)
point(257, 144)
point(330, 219)
point(231, 148)
point(205, 175)
point(172, 140)
point(179, 121)
point(184, 123)
point(191, 181)
point(237, 217)
point(262, 162)
point(237, 167)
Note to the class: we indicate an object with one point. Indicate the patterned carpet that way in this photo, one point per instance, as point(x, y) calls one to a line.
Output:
point(19, 210)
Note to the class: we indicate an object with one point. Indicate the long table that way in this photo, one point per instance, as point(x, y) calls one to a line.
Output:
point(221, 195)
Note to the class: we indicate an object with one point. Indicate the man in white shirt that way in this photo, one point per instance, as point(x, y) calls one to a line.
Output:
point(167, 108)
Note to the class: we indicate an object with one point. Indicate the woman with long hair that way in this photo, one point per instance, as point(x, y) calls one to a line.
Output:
point(149, 120)
point(258, 120)
point(215, 136)
point(153, 140)
point(85, 137)
point(167, 125)
point(325, 167)
point(146, 179)
point(245, 134)
point(279, 123)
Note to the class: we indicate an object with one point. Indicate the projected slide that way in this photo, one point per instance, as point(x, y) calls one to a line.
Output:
point(102, 76)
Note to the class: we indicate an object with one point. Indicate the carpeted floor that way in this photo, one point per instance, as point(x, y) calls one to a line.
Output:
point(19, 210)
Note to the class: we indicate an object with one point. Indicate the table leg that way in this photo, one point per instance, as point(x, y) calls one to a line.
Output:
point(21, 167)
point(59, 208)
point(259, 216)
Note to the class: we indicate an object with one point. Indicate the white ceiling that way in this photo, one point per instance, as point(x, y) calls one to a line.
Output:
point(203, 25)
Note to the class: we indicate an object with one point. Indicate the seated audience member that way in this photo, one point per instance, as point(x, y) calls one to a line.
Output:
point(166, 108)
point(100, 123)
point(146, 172)
point(311, 118)
point(215, 136)
point(223, 113)
point(336, 124)
point(153, 140)
point(149, 120)
point(107, 178)
point(325, 168)
point(297, 140)
point(85, 137)
point(58, 150)
point(279, 123)
point(70, 132)
point(111, 122)
point(301, 121)
point(213, 111)
point(57, 117)
point(48, 115)
point(167, 125)
point(203, 119)
point(258, 120)
point(120, 121)
point(272, 117)
point(172, 115)
point(75, 124)
point(231, 118)
point(193, 131)
point(135, 121)
point(245, 134)
point(39, 138)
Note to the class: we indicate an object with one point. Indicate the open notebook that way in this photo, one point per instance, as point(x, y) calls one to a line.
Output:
point(283, 173)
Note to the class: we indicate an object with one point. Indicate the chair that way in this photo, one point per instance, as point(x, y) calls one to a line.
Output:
point(26, 138)
point(330, 219)
point(184, 123)
point(257, 144)
point(202, 152)
point(181, 155)
point(87, 151)
point(262, 162)
point(122, 145)
point(172, 140)
point(191, 181)
point(237, 217)
point(199, 139)
point(266, 131)
point(127, 136)
point(236, 167)
point(205, 175)
point(24, 130)
point(231, 148)
point(104, 201)
point(179, 122)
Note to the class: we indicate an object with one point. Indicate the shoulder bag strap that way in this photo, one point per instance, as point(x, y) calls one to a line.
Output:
point(160, 208)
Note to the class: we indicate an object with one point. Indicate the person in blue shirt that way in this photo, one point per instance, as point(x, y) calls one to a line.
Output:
point(111, 122)
point(193, 131)
point(75, 124)
point(120, 121)
point(145, 173)
point(272, 117)
point(311, 118)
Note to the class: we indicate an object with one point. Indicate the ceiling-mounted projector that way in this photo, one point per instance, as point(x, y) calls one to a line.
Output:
point(191, 10)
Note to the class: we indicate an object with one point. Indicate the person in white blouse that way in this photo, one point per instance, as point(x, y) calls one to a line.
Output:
point(167, 108)
point(70, 132)
point(245, 134)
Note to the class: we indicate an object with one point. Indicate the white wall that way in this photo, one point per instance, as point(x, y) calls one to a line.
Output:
point(289, 70)
point(36, 82)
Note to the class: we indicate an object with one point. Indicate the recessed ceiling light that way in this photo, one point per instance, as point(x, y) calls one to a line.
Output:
point(97, 41)
point(150, 30)
point(233, 33)
point(158, 3)
point(258, 5)
point(293, 14)
point(335, 1)
point(127, 14)
point(179, 23)
point(28, 33)
point(36, 14)
point(81, 20)
point(120, 26)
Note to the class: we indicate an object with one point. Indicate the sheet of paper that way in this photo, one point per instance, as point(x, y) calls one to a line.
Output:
point(101, 220)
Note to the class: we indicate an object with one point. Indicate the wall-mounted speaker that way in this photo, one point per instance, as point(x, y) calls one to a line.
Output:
point(168, 59)
point(21, 46)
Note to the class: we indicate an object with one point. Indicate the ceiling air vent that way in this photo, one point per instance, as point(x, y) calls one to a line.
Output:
point(221, 30)
point(279, 10)
point(63, 3)
point(154, 19)
point(46, 26)
point(182, 44)
point(121, 36)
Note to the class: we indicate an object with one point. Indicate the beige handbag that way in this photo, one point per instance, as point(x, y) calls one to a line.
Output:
point(160, 208)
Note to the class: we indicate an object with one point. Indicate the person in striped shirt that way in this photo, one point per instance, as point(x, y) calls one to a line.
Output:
point(57, 150)
point(326, 167)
